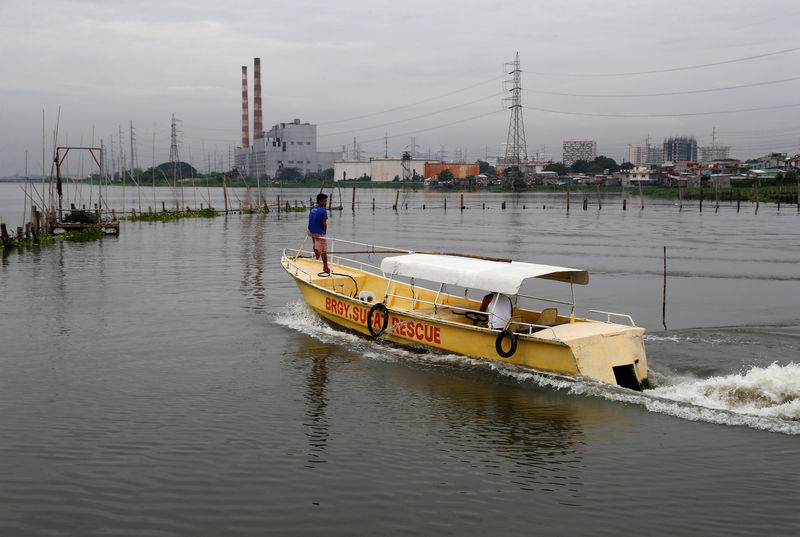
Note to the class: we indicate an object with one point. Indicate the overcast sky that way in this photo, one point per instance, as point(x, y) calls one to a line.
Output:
point(429, 70)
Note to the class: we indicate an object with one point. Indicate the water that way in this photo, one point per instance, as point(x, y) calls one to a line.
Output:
point(170, 381)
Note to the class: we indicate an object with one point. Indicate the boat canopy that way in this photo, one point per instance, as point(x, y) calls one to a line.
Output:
point(495, 276)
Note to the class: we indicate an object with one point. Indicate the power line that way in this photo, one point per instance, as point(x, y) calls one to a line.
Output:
point(667, 93)
point(673, 69)
point(440, 126)
point(411, 118)
point(429, 99)
point(685, 114)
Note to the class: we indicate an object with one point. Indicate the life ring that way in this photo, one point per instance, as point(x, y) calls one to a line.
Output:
point(378, 307)
point(367, 296)
point(498, 344)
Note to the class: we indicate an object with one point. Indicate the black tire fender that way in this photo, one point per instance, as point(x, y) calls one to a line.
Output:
point(498, 344)
point(382, 308)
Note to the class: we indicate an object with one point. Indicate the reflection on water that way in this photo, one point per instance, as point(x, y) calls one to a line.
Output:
point(252, 259)
point(316, 399)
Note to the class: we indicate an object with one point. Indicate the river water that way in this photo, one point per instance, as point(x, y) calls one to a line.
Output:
point(170, 381)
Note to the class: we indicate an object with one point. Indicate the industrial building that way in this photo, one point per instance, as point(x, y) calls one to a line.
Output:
point(381, 170)
point(575, 150)
point(384, 170)
point(285, 145)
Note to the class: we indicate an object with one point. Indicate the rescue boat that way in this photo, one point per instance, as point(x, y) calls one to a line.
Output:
point(434, 300)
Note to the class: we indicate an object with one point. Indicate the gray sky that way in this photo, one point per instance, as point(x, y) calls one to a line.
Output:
point(429, 70)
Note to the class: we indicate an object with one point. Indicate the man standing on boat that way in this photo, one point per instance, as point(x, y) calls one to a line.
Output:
point(317, 228)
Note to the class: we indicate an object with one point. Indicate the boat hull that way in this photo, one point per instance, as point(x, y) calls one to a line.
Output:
point(604, 351)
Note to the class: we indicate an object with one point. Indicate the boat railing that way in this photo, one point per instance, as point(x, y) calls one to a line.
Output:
point(610, 314)
point(338, 257)
point(297, 270)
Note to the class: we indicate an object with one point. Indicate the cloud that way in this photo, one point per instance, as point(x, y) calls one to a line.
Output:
point(106, 64)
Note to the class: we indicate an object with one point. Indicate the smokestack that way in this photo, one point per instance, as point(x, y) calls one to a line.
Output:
point(258, 127)
point(245, 114)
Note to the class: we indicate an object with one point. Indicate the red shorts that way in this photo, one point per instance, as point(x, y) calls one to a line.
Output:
point(320, 244)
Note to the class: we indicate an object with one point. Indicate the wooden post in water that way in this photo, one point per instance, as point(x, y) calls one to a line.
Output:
point(701, 194)
point(373, 205)
point(163, 207)
point(567, 194)
point(353, 203)
point(738, 198)
point(599, 202)
point(779, 198)
point(585, 202)
point(641, 195)
point(664, 295)
point(445, 204)
point(4, 235)
point(503, 205)
point(680, 198)
point(279, 205)
point(225, 193)
point(624, 204)
point(396, 199)
point(462, 202)
point(755, 185)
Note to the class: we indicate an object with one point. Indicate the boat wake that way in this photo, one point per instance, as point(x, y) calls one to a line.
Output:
point(765, 398)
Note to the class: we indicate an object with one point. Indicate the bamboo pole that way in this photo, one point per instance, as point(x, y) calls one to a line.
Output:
point(225, 192)
point(755, 185)
point(641, 195)
point(664, 295)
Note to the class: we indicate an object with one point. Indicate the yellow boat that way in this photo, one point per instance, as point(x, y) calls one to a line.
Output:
point(398, 301)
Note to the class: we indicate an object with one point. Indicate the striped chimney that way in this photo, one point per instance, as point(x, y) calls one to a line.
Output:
point(245, 113)
point(258, 127)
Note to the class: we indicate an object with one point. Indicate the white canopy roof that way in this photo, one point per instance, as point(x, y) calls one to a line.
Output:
point(474, 273)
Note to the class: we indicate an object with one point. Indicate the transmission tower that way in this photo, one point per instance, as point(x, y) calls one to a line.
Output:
point(516, 147)
point(174, 158)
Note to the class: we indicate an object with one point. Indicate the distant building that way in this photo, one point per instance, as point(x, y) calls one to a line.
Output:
point(711, 153)
point(681, 148)
point(641, 174)
point(637, 154)
point(575, 150)
point(285, 145)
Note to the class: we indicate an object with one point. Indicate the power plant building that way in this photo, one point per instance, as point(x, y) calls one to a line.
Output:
point(285, 145)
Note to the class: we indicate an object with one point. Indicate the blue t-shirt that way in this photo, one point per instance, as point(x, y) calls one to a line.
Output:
point(315, 218)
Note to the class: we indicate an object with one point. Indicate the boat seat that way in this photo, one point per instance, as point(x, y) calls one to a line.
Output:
point(548, 317)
